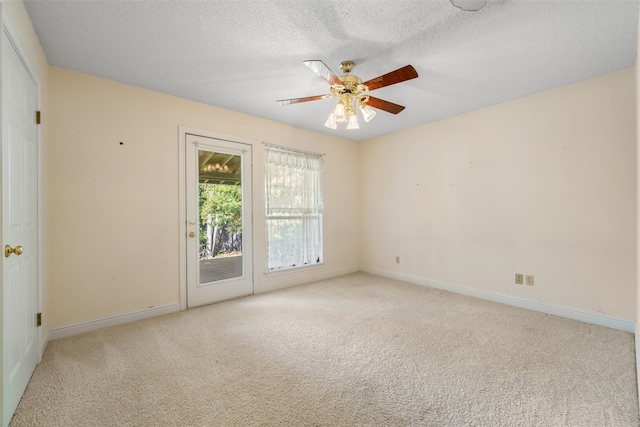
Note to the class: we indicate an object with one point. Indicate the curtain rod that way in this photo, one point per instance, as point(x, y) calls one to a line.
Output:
point(292, 149)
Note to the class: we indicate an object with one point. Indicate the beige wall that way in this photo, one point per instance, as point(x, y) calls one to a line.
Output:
point(113, 243)
point(542, 185)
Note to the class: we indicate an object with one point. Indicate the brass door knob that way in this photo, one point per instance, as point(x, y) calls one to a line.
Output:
point(192, 234)
point(8, 250)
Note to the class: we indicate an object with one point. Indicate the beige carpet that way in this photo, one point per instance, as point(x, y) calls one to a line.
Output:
point(358, 350)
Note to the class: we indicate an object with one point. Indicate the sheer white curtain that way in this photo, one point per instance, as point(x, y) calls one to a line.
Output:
point(293, 208)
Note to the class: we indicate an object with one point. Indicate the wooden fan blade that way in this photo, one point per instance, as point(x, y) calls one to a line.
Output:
point(381, 104)
point(323, 71)
point(397, 76)
point(305, 99)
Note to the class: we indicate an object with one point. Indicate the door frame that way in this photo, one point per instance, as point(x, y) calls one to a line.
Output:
point(183, 131)
point(9, 30)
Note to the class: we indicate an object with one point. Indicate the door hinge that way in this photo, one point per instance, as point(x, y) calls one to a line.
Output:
point(37, 117)
point(39, 319)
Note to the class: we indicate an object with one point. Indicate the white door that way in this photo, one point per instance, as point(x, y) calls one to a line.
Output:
point(19, 228)
point(219, 226)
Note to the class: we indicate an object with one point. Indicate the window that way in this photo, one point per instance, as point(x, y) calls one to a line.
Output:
point(293, 208)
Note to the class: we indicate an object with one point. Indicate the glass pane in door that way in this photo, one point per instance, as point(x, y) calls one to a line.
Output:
point(220, 214)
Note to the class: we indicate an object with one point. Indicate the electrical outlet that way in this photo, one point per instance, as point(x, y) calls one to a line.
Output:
point(529, 280)
point(397, 260)
point(519, 279)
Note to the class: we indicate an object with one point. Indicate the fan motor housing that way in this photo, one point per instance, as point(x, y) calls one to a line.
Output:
point(348, 78)
point(350, 84)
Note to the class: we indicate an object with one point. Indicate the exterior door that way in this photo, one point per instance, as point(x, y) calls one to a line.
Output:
point(19, 228)
point(219, 226)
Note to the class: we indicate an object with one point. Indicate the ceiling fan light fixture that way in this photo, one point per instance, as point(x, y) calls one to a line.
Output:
point(339, 114)
point(353, 122)
point(367, 112)
point(353, 93)
point(331, 121)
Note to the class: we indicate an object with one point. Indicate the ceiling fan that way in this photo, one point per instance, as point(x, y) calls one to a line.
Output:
point(353, 92)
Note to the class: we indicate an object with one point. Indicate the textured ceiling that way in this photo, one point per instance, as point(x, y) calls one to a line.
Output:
point(245, 55)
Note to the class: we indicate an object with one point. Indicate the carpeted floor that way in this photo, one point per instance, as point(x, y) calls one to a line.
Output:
point(358, 350)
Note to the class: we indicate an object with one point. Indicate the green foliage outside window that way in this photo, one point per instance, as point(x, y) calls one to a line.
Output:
point(221, 206)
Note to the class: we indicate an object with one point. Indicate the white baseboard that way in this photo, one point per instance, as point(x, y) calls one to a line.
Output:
point(307, 278)
point(116, 319)
point(570, 313)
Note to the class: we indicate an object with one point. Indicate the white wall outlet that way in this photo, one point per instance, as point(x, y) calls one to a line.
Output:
point(529, 280)
point(519, 279)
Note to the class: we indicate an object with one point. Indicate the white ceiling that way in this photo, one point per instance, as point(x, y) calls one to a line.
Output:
point(245, 55)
